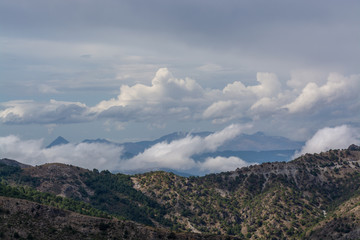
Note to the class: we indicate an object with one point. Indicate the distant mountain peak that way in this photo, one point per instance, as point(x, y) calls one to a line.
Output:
point(58, 141)
point(98, 140)
point(259, 134)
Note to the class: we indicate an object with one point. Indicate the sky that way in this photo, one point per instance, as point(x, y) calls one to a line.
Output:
point(134, 70)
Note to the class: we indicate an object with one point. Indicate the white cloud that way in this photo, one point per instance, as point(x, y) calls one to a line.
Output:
point(167, 93)
point(215, 140)
point(15, 148)
point(169, 99)
point(235, 89)
point(177, 154)
point(331, 138)
point(174, 155)
point(222, 164)
point(308, 97)
point(87, 155)
point(336, 87)
point(217, 109)
point(27, 112)
point(300, 78)
point(164, 88)
point(264, 104)
point(269, 85)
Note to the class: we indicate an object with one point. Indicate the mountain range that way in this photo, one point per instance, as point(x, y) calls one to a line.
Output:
point(315, 196)
point(243, 142)
point(252, 148)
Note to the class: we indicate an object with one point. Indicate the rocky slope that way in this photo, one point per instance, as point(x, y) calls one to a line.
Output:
point(342, 223)
point(271, 200)
point(312, 197)
point(21, 219)
point(112, 193)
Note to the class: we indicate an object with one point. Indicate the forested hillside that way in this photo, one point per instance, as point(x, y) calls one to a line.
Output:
point(21, 219)
point(268, 200)
point(314, 196)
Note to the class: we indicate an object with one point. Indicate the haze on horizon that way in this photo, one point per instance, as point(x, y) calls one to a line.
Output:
point(132, 70)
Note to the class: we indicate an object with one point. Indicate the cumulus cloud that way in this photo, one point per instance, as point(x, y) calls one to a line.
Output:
point(269, 85)
point(168, 98)
point(264, 104)
point(87, 155)
point(164, 87)
point(237, 101)
point(300, 78)
point(309, 95)
point(222, 164)
point(331, 138)
point(178, 154)
point(217, 109)
point(28, 112)
point(185, 99)
point(336, 87)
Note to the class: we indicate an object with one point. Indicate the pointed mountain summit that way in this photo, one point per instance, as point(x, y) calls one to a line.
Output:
point(58, 141)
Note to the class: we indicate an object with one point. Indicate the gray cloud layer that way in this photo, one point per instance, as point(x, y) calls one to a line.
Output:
point(329, 100)
point(61, 43)
point(309, 31)
point(80, 51)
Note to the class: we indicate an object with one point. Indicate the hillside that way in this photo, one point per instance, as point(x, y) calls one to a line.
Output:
point(315, 196)
point(268, 200)
point(21, 219)
point(343, 223)
point(112, 193)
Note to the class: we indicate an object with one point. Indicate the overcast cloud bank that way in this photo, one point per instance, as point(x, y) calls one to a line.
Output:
point(131, 70)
